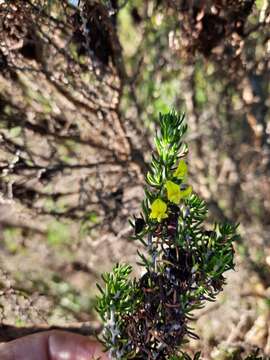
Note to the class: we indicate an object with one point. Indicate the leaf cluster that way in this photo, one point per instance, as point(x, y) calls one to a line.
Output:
point(118, 298)
point(169, 148)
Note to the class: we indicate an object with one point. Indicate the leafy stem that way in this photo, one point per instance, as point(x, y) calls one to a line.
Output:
point(147, 318)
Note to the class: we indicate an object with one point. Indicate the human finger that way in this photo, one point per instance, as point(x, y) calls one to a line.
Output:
point(52, 345)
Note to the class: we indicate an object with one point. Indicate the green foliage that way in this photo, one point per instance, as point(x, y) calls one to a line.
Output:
point(184, 356)
point(90, 220)
point(237, 354)
point(15, 132)
point(157, 87)
point(118, 299)
point(58, 233)
point(12, 238)
point(169, 148)
point(119, 292)
point(183, 265)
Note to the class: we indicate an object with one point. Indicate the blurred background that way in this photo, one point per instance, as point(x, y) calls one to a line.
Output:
point(81, 87)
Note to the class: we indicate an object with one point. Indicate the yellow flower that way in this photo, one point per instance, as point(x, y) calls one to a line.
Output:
point(173, 192)
point(181, 170)
point(186, 192)
point(159, 209)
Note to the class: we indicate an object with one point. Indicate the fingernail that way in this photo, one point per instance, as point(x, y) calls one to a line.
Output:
point(68, 347)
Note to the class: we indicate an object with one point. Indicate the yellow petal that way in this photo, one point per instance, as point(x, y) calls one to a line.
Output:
point(186, 193)
point(158, 210)
point(173, 192)
point(181, 170)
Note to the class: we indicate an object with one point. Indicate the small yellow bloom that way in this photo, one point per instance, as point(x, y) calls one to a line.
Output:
point(186, 192)
point(173, 192)
point(159, 209)
point(181, 170)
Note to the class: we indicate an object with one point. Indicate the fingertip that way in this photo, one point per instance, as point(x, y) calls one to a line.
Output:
point(67, 346)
